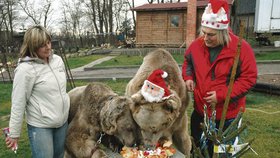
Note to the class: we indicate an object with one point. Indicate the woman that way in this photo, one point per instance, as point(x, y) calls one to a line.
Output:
point(207, 69)
point(39, 91)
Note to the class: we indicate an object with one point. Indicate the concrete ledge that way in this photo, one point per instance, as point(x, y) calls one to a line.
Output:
point(102, 78)
point(268, 61)
point(110, 67)
point(267, 88)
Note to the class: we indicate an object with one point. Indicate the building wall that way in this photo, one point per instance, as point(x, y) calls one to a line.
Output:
point(160, 28)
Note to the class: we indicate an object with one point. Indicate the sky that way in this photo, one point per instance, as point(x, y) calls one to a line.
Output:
point(57, 12)
point(141, 2)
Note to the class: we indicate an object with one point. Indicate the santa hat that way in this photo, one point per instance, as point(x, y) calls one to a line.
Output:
point(154, 88)
point(216, 15)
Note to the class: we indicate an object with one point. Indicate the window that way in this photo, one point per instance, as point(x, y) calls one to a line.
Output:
point(174, 21)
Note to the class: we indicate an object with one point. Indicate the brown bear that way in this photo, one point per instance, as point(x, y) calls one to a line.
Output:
point(100, 111)
point(75, 97)
point(161, 120)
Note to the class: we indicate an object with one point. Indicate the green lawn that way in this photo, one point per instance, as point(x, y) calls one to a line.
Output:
point(274, 55)
point(262, 113)
point(126, 60)
point(80, 61)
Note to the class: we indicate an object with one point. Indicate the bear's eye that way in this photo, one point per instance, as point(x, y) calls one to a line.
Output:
point(143, 130)
point(164, 124)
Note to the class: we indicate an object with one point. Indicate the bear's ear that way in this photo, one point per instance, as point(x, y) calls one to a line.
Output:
point(108, 123)
point(112, 129)
point(137, 98)
point(110, 114)
point(172, 104)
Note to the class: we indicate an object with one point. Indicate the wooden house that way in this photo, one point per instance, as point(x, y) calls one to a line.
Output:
point(165, 24)
point(244, 10)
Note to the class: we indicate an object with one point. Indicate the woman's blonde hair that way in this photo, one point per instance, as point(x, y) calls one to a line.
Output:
point(223, 37)
point(34, 38)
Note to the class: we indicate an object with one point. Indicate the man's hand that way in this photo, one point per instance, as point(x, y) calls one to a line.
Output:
point(189, 85)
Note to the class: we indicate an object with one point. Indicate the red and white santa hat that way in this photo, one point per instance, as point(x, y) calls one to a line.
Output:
point(216, 15)
point(154, 88)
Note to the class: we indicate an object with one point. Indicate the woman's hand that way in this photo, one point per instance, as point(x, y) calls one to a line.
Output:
point(211, 97)
point(12, 143)
point(190, 85)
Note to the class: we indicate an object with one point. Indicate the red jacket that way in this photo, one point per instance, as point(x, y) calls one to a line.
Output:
point(216, 76)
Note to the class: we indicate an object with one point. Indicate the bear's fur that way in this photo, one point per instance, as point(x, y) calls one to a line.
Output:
point(166, 120)
point(100, 110)
point(75, 96)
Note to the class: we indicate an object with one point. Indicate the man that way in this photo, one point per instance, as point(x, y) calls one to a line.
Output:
point(207, 68)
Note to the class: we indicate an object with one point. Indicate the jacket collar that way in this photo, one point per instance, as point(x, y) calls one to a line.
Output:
point(37, 60)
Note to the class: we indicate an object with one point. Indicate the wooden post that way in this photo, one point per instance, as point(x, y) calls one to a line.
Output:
point(232, 77)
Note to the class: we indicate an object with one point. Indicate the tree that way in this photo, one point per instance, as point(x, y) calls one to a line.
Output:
point(7, 22)
point(162, 1)
point(73, 19)
point(133, 14)
point(41, 14)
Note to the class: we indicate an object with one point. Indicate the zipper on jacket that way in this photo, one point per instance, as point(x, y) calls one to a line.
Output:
point(58, 86)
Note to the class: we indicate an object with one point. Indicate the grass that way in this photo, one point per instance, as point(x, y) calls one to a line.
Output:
point(264, 127)
point(273, 55)
point(123, 60)
point(5, 97)
point(126, 60)
point(80, 61)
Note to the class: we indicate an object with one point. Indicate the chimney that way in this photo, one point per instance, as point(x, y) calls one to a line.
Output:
point(191, 22)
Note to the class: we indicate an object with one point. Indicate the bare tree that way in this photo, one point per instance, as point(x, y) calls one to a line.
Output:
point(7, 22)
point(118, 7)
point(110, 19)
point(162, 1)
point(40, 13)
point(133, 13)
point(73, 13)
point(11, 17)
point(94, 13)
point(66, 24)
point(101, 20)
point(151, 1)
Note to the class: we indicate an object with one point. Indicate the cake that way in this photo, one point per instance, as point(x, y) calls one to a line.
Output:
point(164, 151)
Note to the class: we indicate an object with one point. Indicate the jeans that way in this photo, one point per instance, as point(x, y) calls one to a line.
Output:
point(47, 142)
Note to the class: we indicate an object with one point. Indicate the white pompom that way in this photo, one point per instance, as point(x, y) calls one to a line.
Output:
point(164, 75)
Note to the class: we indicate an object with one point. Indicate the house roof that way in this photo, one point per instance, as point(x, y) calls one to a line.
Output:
point(172, 6)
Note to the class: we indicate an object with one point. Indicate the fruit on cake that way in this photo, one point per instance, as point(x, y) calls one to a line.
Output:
point(164, 151)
